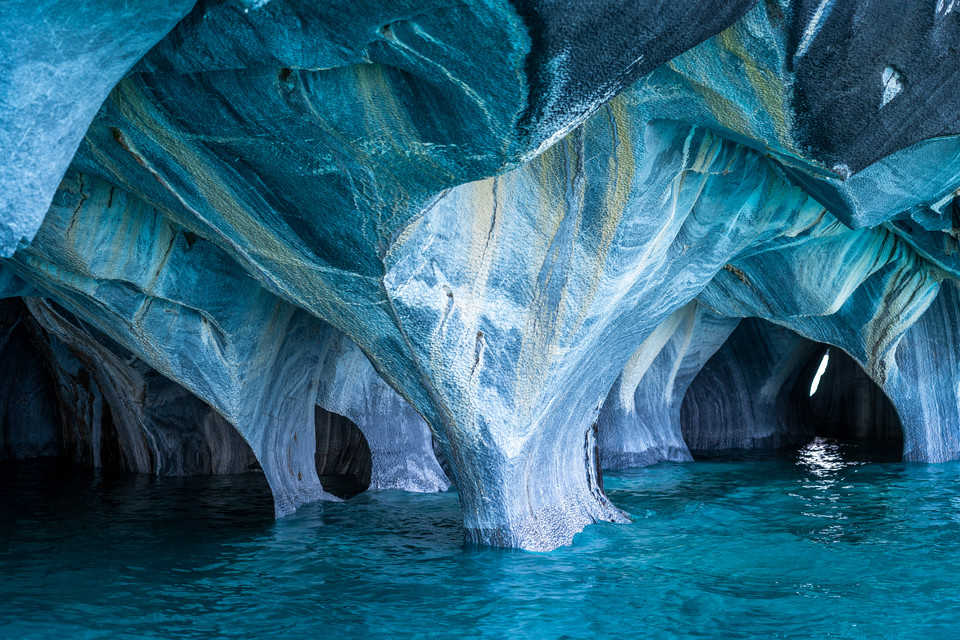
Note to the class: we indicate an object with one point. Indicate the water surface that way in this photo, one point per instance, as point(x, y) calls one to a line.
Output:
point(818, 542)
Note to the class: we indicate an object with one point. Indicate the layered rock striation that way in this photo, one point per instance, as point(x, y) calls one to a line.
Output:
point(495, 244)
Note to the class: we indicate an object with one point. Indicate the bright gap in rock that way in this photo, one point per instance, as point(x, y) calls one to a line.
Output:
point(820, 371)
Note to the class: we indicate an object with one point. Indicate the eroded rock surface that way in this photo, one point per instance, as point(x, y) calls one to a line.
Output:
point(58, 61)
point(516, 231)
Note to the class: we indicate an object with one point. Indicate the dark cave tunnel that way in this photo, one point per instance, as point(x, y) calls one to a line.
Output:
point(57, 409)
point(344, 462)
point(754, 393)
point(770, 388)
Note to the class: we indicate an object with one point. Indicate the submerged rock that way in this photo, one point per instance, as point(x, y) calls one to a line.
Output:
point(518, 232)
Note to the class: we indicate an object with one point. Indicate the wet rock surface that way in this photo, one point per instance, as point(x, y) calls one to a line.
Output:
point(330, 241)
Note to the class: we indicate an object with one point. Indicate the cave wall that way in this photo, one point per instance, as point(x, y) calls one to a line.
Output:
point(507, 210)
point(869, 313)
point(118, 414)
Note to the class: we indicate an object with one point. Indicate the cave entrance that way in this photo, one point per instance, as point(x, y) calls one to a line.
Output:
point(343, 458)
point(770, 388)
point(844, 403)
point(29, 421)
point(68, 436)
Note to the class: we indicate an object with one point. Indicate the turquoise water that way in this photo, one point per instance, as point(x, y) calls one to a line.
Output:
point(811, 543)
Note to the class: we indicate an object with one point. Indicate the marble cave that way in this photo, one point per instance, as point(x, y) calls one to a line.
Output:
point(412, 275)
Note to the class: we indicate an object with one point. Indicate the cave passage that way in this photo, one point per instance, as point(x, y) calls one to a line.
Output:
point(847, 405)
point(344, 461)
point(77, 420)
point(78, 409)
point(769, 388)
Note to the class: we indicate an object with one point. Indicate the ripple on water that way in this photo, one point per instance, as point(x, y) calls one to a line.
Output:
point(815, 542)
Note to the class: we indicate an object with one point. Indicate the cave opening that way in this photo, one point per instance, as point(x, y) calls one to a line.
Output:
point(770, 388)
point(29, 419)
point(821, 369)
point(343, 458)
point(845, 404)
point(66, 438)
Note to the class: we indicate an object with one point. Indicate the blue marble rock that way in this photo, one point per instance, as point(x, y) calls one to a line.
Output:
point(58, 61)
point(400, 441)
point(639, 423)
point(515, 237)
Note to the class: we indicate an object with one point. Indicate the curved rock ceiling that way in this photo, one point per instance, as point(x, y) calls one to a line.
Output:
point(501, 238)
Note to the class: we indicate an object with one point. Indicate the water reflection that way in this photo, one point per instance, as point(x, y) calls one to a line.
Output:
point(831, 487)
point(811, 542)
point(823, 458)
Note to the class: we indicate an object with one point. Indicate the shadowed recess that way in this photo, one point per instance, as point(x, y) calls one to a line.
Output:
point(848, 405)
point(758, 392)
point(29, 421)
point(344, 463)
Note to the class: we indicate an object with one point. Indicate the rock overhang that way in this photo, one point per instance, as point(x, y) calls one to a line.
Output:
point(499, 218)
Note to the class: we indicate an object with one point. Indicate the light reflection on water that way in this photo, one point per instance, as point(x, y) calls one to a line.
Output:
point(814, 542)
point(823, 458)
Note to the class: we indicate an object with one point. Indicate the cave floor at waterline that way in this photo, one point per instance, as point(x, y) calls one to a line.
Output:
point(828, 540)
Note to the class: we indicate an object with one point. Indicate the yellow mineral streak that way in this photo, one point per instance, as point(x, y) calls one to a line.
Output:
point(767, 85)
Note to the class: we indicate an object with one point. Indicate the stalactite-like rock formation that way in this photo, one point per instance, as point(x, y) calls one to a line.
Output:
point(639, 423)
point(523, 233)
